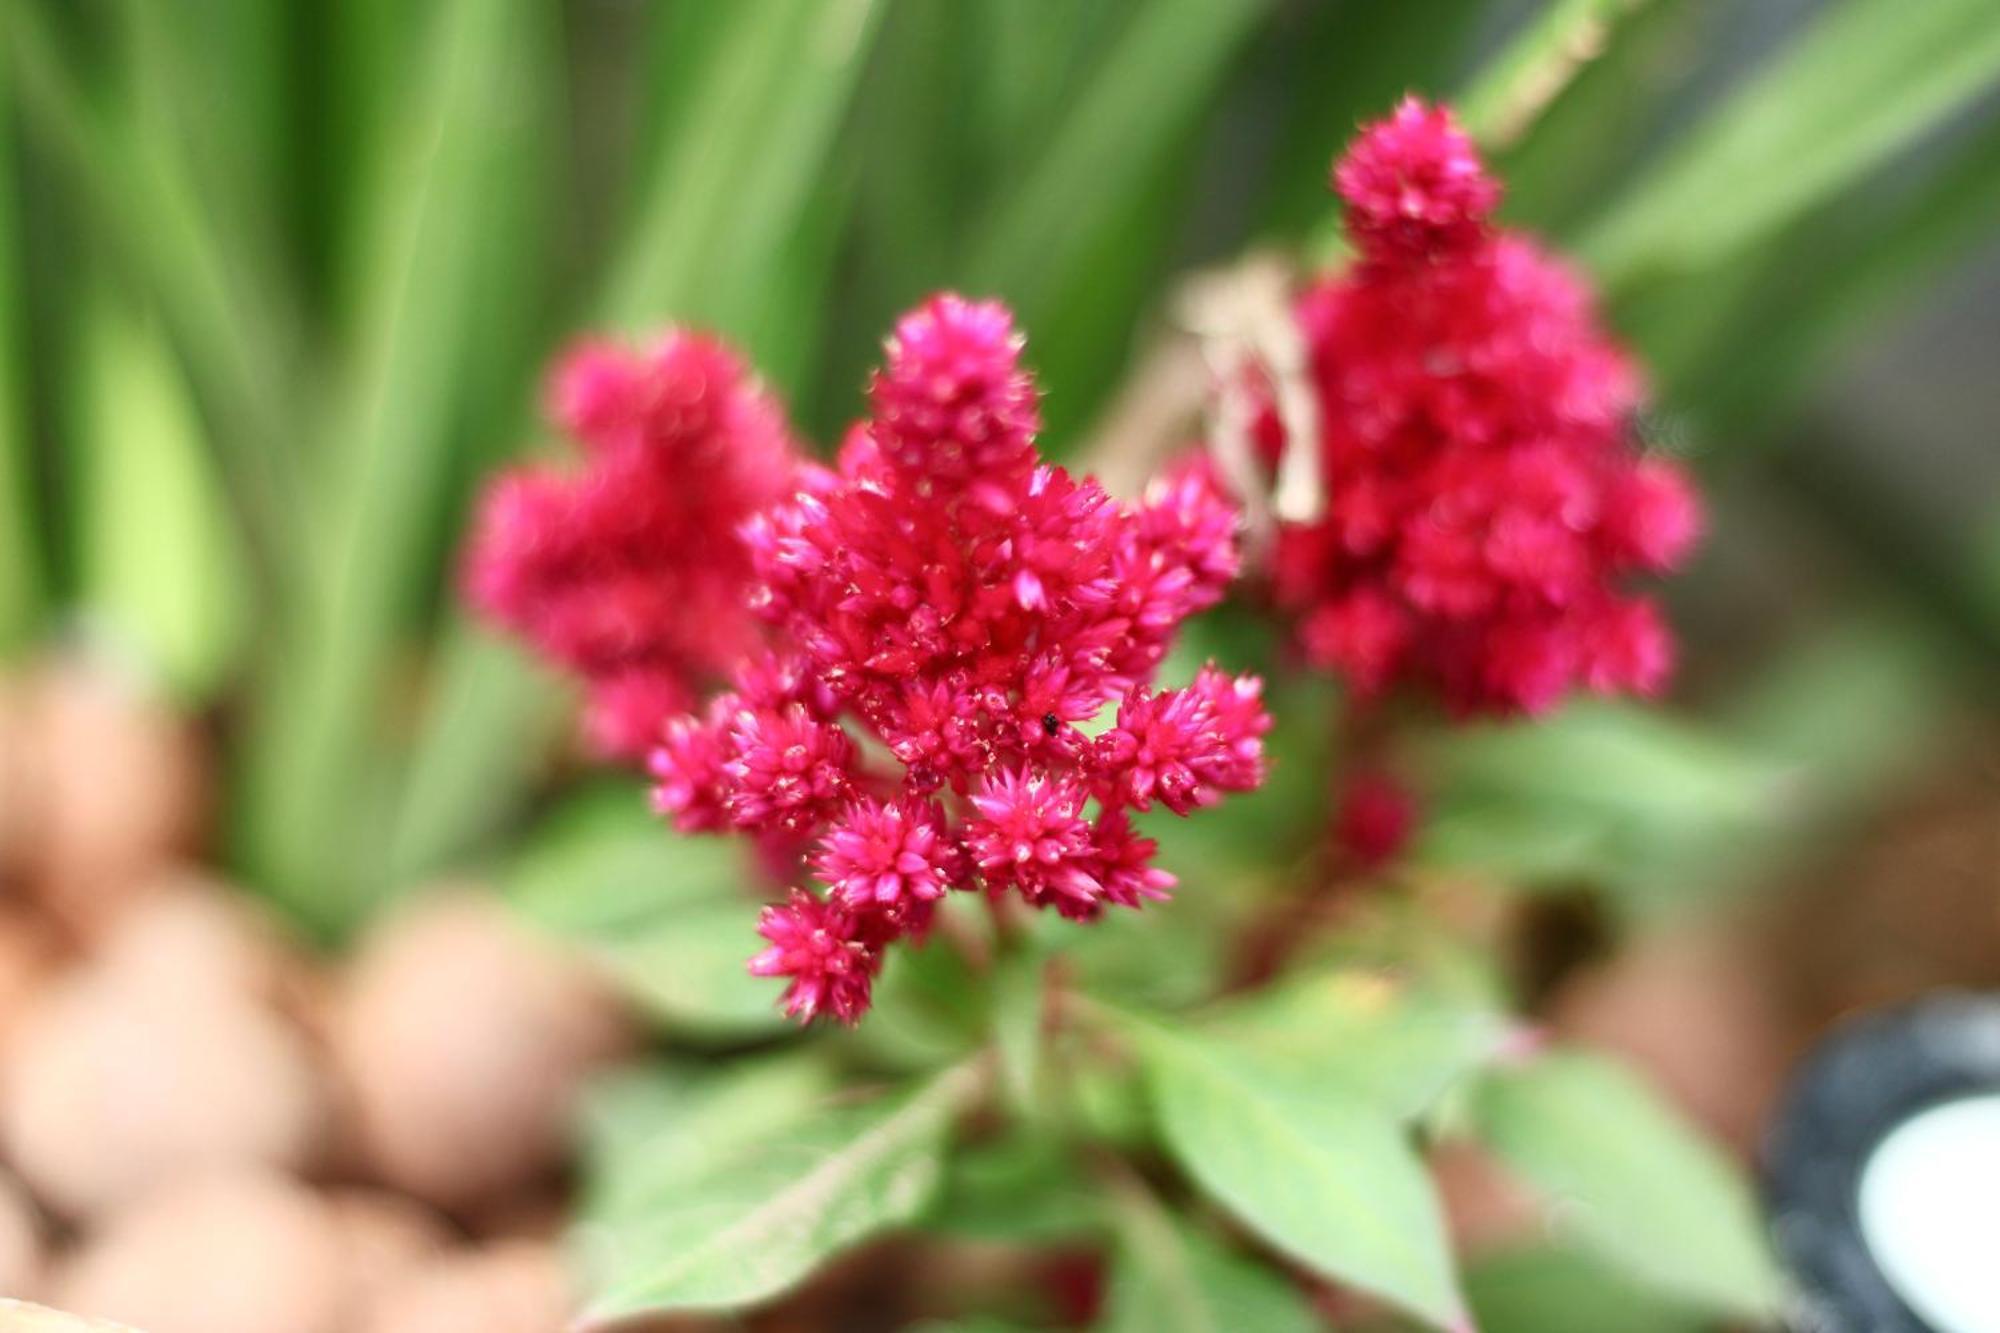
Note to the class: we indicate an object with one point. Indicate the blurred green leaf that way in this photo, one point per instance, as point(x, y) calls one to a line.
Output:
point(448, 279)
point(1019, 998)
point(1348, 63)
point(1630, 1180)
point(757, 1222)
point(650, 1131)
point(1866, 78)
point(929, 1007)
point(740, 163)
point(21, 571)
point(1548, 1290)
point(497, 714)
point(236, 336)
point(1397, 1043)
point(734, 172)
point(1021, 1189)
point(1065, 243)
point(158, 559)
point(1599, 792)
point(1329, 1180)
point(1533, 69)
point(1168, 1277)
point(670, 916)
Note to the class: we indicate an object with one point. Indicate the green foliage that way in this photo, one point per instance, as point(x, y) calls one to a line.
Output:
point(1398, 1044)
point(1867, 77)
point(667, 914)
point(1629, 1180)
point(1169, 1277)
point(1551, 1290)
point(747, 1225)
point(1327, 1178)
point(1600, 793)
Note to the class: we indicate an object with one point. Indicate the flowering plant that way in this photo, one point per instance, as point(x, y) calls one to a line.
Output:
point(936, 683)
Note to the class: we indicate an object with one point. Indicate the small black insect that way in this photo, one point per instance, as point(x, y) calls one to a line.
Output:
point(1050, 724)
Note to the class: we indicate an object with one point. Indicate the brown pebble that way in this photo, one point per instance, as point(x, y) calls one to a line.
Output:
point(463, 1041)
point(21, 1317)
point(117, 1087)
point(189, 930)
point(383, 1238)
point(29, 957)
point(230, 1254)
point(513, 1287)
point(20, 1243)
point(112, 784)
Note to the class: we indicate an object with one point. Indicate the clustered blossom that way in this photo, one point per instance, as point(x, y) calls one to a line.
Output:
point(1483, 499)
point(627, 569)
point(945, 612)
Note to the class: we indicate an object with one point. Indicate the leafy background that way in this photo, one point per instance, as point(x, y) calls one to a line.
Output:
point(276, 281)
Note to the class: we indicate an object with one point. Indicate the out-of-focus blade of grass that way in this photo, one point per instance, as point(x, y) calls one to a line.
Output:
point(157, 562)
point(1589, 141)
point(1823, 284)
point(721, 237)
point(733, 176)
point(1519, 83)
point(20, 554)
point(449, 291)
point(1866, 78)
point(1349, 62)
point(1046, 243)
point(234, 334)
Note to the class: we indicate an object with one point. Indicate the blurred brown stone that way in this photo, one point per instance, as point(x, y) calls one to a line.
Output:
point(463, 1041)
point(20, 1317)
point(513, 1287)
point(20, 1243)
point(188, 929)
point(118, 1084)
point(229, 1254)
point(29, 958)
point(109, 783)
point(383, 1238)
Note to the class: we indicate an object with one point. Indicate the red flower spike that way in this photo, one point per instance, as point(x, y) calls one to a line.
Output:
point(628, 571)
point(822, 948)
point(1484, 500)
point(943, 612)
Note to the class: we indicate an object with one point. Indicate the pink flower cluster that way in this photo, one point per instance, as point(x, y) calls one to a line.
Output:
point(949, 617)
point(628, 570)
point(1483, 500)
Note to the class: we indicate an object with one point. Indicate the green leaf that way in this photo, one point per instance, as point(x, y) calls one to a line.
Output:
point(1019, 997)
point(1550, 1290)
point(759, 1221)
point(749, 94)
point(1503, 102)
point(21, 572)
point(1328, 1178)
point(1630, 1180)
point(1169, 1277)
point(1865, 80)
point(1020, 1189)
point(158, 562)
point(1399, 1045)
point(447, 286)
point(650, 1131)
point(1600, 792)
point(670, 916)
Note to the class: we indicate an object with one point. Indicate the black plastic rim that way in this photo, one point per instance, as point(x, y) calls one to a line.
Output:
point(1870, 1076)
